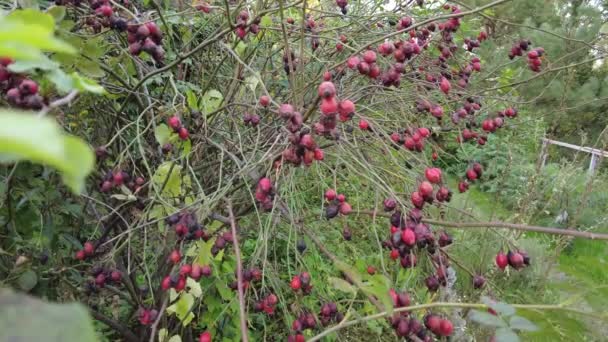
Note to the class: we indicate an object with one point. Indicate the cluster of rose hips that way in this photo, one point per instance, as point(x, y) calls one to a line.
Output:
point(146, 37)
point(264, 193)
point(178, 281)
point(267, 304)
point(404, 236)
point(329, 312)
point(330, 105)
point(439, 326)
point(472, 43)
point(241, 25)
point(106, 276)
point(147, 316)
point(87, 251)
point(425, 189)
point(176, 125)
point(18, 90)
point(424, 105)
point(366, 65)
point(104, 14)
point(451, 24)
point(412, 139)
point(441, 264)
point(509, 112)
point(251, 119)
point(472, 174)
point(337, 204)
point(186, 226)
point(518, 48)
point(251, 275)
point(332, 108)
point(517, 260)
point(303, 149)
point(306, 320)
point(491, 125)
point(468, 109)
point(465, 73)
point(293, 118)
point(409, 328)
point(534, 59)
point(301, 281)
point(342, 4)
point(115, 179)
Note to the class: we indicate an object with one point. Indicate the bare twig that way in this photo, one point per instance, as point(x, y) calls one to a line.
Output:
point(158, 317)
point(239, 270)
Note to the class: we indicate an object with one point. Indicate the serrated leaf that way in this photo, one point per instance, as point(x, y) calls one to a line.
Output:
point(27, 280)
point(341, 284)
point(503, 309)
point(506, 335)
point(521, 323)
point(487, 319)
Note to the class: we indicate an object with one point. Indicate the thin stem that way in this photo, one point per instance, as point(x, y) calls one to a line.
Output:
point(239, 270)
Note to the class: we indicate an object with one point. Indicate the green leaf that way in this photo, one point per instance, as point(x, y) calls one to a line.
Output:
point(175, 338)
point(24, 136)
point(23, 33)
point(487, 319)
point(195, 287)
point(173, 185)
point(57, 12)
point(162, 335)
point(62, 81)
point(211, 101)
point(85, 84)
point(89, 68)
point(341, 284)
point(501, 308)
point(27, 280)
point(521, 323)
point(27, 319)
point(34, 18)
point(240, 49)
point(266, 21)
point(25, 66)
point(204, 254)
point(162, 134)
point(28, 4)
point(182, 308)
point(604, 29)
point(191, 99)
point(506, 335)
